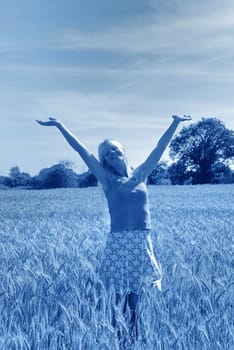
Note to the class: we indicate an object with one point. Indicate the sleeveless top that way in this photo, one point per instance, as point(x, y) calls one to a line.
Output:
point(128, 205)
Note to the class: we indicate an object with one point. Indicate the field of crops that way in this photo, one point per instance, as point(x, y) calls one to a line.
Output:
point(51, 297)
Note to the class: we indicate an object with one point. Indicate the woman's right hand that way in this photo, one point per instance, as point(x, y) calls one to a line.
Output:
point(182, 119)
point(51, 122)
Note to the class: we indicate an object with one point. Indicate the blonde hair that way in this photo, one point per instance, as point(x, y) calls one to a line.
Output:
point(101, 148)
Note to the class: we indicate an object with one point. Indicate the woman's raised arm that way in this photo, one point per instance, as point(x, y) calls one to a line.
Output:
point(90, 160)
point(145, 169)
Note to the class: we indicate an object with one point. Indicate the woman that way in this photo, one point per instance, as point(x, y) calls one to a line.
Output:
point(128, 259)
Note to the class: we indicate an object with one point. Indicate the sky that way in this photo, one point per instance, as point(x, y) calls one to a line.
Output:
point(116, 69)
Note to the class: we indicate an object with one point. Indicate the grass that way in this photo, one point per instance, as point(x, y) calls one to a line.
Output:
point(51, 296)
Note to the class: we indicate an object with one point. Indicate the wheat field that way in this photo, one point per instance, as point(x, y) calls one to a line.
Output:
point(51, 297)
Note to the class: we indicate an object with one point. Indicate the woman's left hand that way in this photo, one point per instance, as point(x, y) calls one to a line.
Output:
point(182, 119)
point(51, 122)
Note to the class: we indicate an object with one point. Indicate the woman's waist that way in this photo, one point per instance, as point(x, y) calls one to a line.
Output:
point(131, 234)
point(133, 220)
point(126, 227)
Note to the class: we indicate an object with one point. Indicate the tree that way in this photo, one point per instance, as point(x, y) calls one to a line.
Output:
point(222, 174)
point(13, 175)
point(159, 175)
point(87, 179)
point(59, 176)
point(17, 178)
point(3, 182)
point(199, 147)
point(178, 173)
point(67, 163)
point(14, 171)
point(56, 176)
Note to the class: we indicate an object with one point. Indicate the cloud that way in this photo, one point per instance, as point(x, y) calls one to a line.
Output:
point(179, 37)
point(89, 111)
point(200, 33)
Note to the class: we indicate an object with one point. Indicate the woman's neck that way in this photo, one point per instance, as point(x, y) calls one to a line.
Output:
point(122, 169)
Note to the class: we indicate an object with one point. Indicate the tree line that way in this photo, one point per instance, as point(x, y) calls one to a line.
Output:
point(57, 176)
point(202, 153)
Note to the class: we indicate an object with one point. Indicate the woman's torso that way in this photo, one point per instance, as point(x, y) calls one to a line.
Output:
point(128, 204)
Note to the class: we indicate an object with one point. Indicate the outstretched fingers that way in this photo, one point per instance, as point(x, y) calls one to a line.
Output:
point(182, 118)
point(51, 122)
point(186, 117)
point(40, 122)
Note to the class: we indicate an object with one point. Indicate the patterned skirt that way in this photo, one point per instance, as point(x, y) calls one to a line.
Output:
point(128, 261)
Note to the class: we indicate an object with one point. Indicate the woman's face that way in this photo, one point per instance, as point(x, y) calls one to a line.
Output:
point(113, 151)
